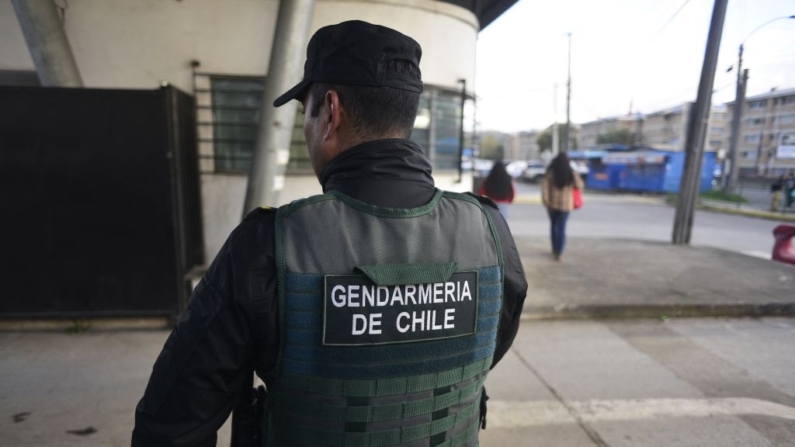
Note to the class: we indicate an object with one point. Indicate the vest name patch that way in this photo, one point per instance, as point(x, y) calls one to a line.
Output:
point(358, 312)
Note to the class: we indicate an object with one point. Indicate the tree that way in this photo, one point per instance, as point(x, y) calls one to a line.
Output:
point(491, 148)
point(617, 136)
point(544, 139)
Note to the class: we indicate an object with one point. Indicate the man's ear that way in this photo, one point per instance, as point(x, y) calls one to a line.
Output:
point(334, 114)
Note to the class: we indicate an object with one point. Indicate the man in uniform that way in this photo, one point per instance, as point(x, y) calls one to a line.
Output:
point(373, 312)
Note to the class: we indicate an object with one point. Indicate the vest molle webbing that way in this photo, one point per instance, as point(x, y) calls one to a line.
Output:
point(389, 321)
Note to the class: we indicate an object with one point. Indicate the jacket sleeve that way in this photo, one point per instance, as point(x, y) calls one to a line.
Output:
point(213, 347)
point(514, 286)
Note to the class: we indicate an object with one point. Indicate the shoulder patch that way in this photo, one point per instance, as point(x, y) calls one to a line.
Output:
point(483, 200)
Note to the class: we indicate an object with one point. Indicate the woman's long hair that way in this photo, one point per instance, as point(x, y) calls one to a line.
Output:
point(560, 168)
point(498, 182)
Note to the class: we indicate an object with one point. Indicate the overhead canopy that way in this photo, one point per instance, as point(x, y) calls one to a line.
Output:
point(486, 10)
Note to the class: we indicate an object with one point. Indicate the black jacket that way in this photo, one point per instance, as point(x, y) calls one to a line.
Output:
point(230, 326)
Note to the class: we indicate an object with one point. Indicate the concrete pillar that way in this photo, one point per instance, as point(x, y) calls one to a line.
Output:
point(272, 148)
point(47, 43)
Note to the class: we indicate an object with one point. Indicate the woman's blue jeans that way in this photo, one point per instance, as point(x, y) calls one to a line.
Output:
point(557, 220)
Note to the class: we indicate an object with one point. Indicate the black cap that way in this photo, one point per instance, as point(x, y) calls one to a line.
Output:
point(356, 53)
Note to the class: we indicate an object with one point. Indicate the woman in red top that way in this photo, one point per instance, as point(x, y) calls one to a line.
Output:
point(499, 187)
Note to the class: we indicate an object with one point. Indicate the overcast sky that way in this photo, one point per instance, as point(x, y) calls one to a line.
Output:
point(623, 51)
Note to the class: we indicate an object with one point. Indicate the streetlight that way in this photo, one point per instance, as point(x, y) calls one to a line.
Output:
point(739, 98)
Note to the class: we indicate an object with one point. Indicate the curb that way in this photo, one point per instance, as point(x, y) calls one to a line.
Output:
point(78, 325)
point(767, 215)
point(759, 214)
point(621, 311)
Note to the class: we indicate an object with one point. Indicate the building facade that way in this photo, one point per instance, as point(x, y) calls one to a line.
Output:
point(219, 52)
point(589, 132)
point(667, 129)
point(766, 144)
point(523, 146)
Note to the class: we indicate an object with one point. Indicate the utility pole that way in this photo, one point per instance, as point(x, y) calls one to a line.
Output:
point(47, 43)
point(732, 176)
point(461, 131)
point(697, 127)
point(275, 131)
point(734, 138)
point(567, 134)
point(555, 135)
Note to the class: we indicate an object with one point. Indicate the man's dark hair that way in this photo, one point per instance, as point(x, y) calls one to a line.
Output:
point(375, 111)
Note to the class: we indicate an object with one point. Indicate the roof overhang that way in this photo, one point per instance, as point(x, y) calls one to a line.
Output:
point(486, 10)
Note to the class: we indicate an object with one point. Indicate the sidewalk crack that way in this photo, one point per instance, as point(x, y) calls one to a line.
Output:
point(592, 434)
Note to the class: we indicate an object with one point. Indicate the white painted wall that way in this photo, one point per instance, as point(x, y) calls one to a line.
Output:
point(140, 43)
point(447, 33)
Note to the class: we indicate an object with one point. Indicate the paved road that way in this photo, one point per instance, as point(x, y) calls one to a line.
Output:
point(636, 217)
point(681, 383)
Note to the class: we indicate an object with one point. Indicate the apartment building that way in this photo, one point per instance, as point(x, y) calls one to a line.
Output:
point(523, 146)
point(766, 144)
point(667, 129)
point(589, 132)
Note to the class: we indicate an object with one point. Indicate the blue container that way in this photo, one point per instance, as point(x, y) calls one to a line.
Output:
point(676, 167)
point(602, 177)
point(645, 170)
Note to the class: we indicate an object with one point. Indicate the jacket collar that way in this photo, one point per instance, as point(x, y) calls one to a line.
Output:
point(377, 161)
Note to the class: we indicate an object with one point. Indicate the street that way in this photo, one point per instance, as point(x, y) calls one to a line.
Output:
point(644, 218)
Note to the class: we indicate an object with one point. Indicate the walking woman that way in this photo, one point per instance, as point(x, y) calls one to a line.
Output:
point(557, 190)
point(499, 187)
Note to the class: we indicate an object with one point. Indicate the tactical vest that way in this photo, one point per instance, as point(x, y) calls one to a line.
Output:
point(388, 319)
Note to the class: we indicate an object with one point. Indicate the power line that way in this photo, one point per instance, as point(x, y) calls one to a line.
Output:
point(670, 20)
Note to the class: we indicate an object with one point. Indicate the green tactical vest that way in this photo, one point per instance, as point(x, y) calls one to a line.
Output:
point(388, 319)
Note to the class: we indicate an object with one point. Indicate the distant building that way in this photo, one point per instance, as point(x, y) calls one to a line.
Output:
point(767, 133)
point(523, 146)
point(589, 132)
point(667, 128)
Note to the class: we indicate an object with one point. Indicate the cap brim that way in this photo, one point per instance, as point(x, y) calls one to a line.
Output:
point(293, 93)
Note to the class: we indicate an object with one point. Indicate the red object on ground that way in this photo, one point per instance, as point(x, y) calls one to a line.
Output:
point(783, 250)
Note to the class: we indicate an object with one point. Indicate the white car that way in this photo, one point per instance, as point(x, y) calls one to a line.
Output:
point(534, 171)
point(516, 168)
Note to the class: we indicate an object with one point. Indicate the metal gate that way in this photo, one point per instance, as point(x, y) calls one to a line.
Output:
point(100, 201)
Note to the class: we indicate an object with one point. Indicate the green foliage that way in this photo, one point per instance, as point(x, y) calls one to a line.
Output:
point(618, 136)
point(491, 148)
point(723, 197)
point(544, 139)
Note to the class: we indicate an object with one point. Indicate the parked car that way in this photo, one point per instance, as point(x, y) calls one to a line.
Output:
point(516, 168)
point(483, 166)
point(534, 171)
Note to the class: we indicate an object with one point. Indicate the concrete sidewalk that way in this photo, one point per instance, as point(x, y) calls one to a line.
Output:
point(81, 389)
point(600, 278)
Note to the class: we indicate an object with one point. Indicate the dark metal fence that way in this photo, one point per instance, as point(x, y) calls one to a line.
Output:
point(100, 201)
